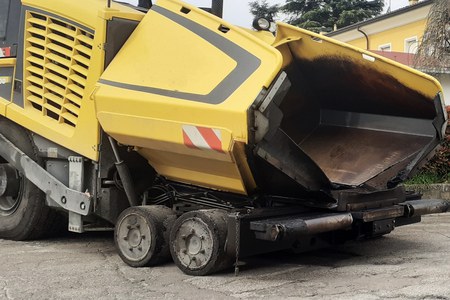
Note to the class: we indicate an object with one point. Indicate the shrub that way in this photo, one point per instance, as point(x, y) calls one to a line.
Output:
point(438, 168)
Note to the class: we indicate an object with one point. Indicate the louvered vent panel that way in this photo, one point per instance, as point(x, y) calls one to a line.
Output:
point(57, 63)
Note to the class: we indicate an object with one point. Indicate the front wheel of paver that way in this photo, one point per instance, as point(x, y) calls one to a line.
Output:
point(23, 212)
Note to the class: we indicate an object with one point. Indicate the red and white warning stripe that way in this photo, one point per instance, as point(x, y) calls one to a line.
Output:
point(5, 52)
point(202, 138)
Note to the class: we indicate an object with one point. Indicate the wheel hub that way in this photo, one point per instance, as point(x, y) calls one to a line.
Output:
point(195, 243)
point(10, 183)
point(134, 238)
point(9, 180)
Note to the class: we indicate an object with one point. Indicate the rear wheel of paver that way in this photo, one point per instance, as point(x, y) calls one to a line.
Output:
point(142, 235)
point(197, 242)
point(23, 212)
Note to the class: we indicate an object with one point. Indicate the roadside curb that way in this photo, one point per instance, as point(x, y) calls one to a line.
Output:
point(431, 191)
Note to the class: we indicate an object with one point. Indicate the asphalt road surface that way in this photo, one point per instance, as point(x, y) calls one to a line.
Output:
point(413, 262)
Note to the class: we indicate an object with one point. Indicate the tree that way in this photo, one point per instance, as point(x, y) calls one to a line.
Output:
point(433, 54)
point(326, 15)
point(264, 10)
point(320, 15)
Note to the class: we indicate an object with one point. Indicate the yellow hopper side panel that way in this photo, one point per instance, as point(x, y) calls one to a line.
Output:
point(179, 91)
point(299, 44)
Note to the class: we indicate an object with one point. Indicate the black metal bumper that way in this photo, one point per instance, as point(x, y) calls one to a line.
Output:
point(306, 224)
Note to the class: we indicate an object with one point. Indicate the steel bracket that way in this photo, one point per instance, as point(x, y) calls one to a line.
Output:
point(76, 178)
point(67, 198)
point(383, 226)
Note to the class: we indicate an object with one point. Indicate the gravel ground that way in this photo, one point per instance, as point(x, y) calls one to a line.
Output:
point(413, 262)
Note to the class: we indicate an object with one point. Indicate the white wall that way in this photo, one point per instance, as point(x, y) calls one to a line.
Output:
point(444, 79)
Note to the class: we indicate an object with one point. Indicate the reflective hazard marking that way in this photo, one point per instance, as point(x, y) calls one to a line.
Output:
point(5, 79)
point(5, 52)
point(202, 138)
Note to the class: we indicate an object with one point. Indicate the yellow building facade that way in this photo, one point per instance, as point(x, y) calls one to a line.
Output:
point(399, 39)
point(397, 31)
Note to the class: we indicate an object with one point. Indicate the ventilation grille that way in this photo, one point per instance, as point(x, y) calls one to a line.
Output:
point(57, 63)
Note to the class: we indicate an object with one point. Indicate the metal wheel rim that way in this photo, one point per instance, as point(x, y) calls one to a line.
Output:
point(194, 244)
point(134, 237)
point(9, 204)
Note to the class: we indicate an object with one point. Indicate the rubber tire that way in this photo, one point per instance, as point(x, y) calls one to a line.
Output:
point(32, 218)
point(160, 220)
point(216, 220)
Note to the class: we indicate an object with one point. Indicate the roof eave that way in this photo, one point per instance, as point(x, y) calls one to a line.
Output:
point(381, 17)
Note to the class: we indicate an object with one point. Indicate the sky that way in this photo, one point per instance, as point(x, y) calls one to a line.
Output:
point(237, 11)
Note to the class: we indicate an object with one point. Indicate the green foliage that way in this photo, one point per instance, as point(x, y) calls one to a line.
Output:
point(263, 9)
point(320, 15)
point(324, 15)
point(425, 178)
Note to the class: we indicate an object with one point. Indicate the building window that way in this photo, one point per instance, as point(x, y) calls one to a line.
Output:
point(4, 10)
point(385, 47)
point(411, 45)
